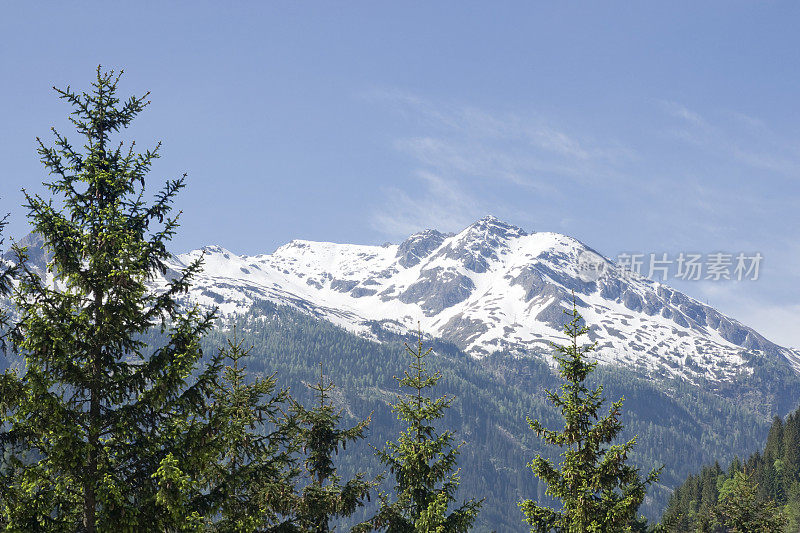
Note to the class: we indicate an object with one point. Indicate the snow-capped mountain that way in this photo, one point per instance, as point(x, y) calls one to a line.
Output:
point(490, 287)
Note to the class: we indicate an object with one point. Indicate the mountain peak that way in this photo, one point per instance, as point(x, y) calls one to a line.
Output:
point(38, 257)
point(418, 246)
point(478, 245)
point(490, 224)
point(492, 287)
point(216, 249)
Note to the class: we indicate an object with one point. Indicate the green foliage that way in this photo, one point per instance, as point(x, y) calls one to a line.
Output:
point(740, 511)
point(792, 507)
point(95, 420)
point(764, 489)
point(597, 488)
point(423, 461)
point(488, 396)
point(244, 484)
point(325, 497)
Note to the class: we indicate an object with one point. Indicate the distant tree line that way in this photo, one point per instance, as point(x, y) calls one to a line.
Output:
point(764, 488)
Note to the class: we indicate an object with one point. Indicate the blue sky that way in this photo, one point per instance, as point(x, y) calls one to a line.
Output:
point(635, 126)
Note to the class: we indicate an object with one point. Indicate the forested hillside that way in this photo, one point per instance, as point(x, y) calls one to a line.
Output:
point(773, 472)
point(679, 425)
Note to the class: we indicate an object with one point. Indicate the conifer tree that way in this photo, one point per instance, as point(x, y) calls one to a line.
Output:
point(325, 497)
point(774, 446)
point(597, 488)
point(104, 417)
point(791, 451)
point(741, 511)
point(247, 485)
point(792, 508)
point(423, 461)
point(759, 487)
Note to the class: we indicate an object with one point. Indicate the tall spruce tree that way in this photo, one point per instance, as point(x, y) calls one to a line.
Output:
point(247, 483)
point(100, 415)
point(423, 461)
point(597, 488)
point(324, 497)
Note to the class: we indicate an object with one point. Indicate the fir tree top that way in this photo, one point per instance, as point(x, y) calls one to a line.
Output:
point(423, 460)
point(320, 437)
point(598, 490)
point(98, 408)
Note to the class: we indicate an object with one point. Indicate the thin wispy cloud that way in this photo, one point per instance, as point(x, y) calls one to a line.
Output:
point(679, 111)
point(522, 128)
point(532, 157)
point(685, 180)
point(458, 159)
point(742, 138)
point(430, 202)
point(469, 148)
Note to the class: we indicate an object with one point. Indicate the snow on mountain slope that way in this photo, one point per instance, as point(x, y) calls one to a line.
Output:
point(490, 287)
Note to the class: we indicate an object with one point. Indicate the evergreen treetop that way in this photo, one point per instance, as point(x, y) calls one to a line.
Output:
point(740, 510)
point(760, 489)
point(98, 409)
point(598, 490)
point(325, 497)
point(423, 460)
point(245, 483)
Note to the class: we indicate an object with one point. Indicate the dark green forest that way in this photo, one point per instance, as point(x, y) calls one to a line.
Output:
point(678, 425)
point(681, 427)
point(773, 473)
